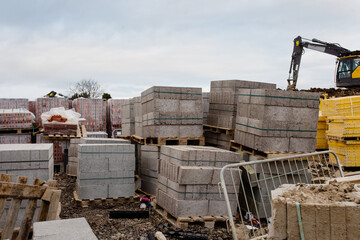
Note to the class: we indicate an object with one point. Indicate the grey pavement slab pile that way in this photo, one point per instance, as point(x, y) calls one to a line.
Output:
point(276, 120)
point(73, 150)
point(128, 118)
point(149, 167)
point(188, 180)
point(205, 104)
point(137, 116)
point(172, 112)
point(223, 100)
point(105, 170)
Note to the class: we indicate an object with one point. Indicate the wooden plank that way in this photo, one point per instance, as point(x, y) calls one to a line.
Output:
point(26, 223)
point(44, 208)
point(4, 178)
point(15, 190)
point(54, 205)
point(12, 214)
point(352, 179)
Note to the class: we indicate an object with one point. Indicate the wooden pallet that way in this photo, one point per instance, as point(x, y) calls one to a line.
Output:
point(216, 129)
point(234, 146)
point(138, 139)
point(159, 141)
point(124, 137)
point(17, 131)
point(98, 201)
point(81, 133)
point(184, 222)
point(342, 139)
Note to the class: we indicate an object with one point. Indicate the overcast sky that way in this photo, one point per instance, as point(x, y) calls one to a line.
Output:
point(128, 46)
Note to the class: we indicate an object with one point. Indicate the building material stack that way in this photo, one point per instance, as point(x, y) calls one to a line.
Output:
point(16, 122)
point(105, 171)
point(321, 139)
point(172, 112)
point(46, 104)
point(72, 167)
point(32, 107)
point(223, 107)
point(188, 178)
point(205, 104)
point(138, 116)
point(97, 135)
point(59, 146)
point(277, 121)
point(128, 118)
point(343, 119)
point(148, 158)
point(114, 115)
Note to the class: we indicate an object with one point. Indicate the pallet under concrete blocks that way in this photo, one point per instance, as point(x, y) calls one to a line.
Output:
point(105, 170)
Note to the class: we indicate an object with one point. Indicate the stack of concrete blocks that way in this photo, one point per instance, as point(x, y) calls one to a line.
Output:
point(97, 134)
point(45, 104)
point(219, 140)
point(223, 100)
point(72, 167)
point(105, 171)
point(149, 167)
point(327, 219)
point(270, 176)
point(94, 112)
point(276, 120)
point(29, 160)
point(205, 104)
point(188, 181)
point(128, 118)
point(172, 112)
point(138, 116)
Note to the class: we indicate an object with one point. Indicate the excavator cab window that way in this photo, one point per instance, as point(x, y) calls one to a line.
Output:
point(344, 69)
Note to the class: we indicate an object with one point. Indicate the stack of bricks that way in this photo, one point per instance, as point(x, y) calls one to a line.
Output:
point(15, 118)
point(138, 116)
point(73, 150)
point(45, 104)
point(329, 218)
point(128, 118)
point(172, 112)
point(13, 103)
point(31, 160)
point(114, 114)
point(15, 138)
point(59, 146)
point(94, 111)
point(223, 100)
point(149, 167)
point(32, 107)
point(188, 181)
point(277, 121)
point(205, 104)
point(105, 171)
point(60, 128)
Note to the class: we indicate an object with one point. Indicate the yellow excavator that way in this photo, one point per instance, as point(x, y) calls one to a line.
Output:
point(347, 72)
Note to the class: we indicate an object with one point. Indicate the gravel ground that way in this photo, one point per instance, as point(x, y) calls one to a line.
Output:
point(106, 228)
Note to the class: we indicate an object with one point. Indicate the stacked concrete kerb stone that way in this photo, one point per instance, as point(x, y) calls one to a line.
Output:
point(172, 112)
point(223, 100)
point(30, 160)
point(137, 116)
point(188, 180)
point(105, 171)
point(205, 104)
point(73, 160)
point(128, 118)
point(276, 120)
point(149, 167)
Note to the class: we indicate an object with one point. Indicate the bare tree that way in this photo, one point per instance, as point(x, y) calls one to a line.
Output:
point(86, 88)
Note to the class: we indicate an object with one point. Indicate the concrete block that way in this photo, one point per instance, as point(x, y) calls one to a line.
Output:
point(323, 227)
point(75, 228)
point(92, 191)
point(218, 208)
point(121, 190)
point(195, 175)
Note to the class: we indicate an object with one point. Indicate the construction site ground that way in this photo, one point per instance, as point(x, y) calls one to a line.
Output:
point(106, 228)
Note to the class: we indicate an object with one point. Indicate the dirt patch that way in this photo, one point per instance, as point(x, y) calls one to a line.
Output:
point(332, 192)
point(335, 92)
point(106, 228)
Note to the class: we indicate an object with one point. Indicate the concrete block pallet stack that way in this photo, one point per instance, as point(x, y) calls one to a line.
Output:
point(137, 117)
point(105, 171)
point(205, 104)
point(59, 147)
point(172, 112)
point(16, 121)
point(188, 178)
point(148, 159)
point(128, 118)
point(223, 107)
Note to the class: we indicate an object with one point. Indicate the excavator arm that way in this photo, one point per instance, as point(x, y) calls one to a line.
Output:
point(314, 44)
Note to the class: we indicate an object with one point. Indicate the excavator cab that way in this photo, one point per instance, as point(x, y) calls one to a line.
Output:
point(348, 71)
